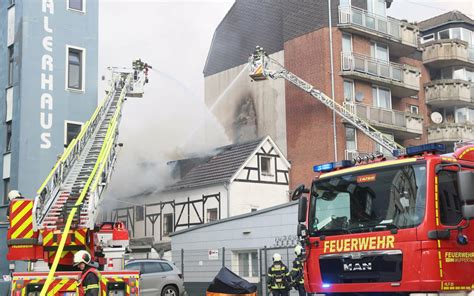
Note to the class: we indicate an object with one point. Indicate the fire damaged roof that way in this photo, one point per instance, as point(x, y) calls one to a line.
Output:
point(445, 18)
point(217, 168)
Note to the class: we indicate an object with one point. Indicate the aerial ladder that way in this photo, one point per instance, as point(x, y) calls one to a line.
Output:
point(263, 66)
point(62, 218)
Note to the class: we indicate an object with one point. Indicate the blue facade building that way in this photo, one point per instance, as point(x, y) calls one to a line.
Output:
point(48, 89)
point(48, 85)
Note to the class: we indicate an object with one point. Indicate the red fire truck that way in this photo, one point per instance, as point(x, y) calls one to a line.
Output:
point(62, 217)
point(391, 227)
point(384, 227)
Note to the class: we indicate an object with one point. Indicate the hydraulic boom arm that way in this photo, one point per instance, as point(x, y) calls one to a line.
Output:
point(261, 66)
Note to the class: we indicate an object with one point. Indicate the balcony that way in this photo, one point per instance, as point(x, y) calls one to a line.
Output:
point(402, 125)
point(447, 52)
point(450, 132)
point(403, 80)
point(401, 36)
point(449, 92)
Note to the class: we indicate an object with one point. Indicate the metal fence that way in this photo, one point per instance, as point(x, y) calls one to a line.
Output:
point(199, 267)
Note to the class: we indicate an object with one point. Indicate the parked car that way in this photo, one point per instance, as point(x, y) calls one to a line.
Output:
point(158, 277)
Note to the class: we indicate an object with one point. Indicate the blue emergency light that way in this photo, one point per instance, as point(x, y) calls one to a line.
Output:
point(330, 166)
point(418, 150)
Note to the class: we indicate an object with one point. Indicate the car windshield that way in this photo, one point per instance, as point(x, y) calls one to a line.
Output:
point(370, 200)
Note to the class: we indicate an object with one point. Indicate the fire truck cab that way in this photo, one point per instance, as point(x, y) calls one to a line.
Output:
point(391, 227)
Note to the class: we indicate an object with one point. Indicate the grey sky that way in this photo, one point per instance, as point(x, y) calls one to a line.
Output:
point(418, 10)
point(174, 37)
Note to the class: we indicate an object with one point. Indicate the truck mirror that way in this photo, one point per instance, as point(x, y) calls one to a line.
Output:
point(466, 193)
point(302, 207)
point(468, 212)
point(302, 231)
point(466, 186)
point(298, 192)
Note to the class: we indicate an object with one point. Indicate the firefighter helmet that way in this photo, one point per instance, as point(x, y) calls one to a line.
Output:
point(14, 194)
point(298, 250)
point(276, 257)
point(82, 257)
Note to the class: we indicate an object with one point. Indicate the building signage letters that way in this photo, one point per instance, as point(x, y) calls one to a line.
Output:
point(46, 99)
point(359, 244)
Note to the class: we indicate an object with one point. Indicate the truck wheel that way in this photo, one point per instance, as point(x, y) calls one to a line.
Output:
point(169, 291)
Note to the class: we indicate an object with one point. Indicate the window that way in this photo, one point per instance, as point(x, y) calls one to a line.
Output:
point(166, 266)
point(456, 33)
point(8, 140)
point(167, 224)
point(379, 51)
point(463, 115)
point(75, 69)
point(152, 267)
point(211, 215)
point(72, 130)
point(462, 73)
point(76, 5)
point(427, 38)
point(449, 202)
point(414, 109)
point(348, 91)
point(11, 2)
point(351, 141)
point(133, 266)
point(6, 190)
point(467, 35)
point(398, 197)
point(443, 34)
point(381, 97)
point(344, 2)
point(10, 65)
point(247, 264)
point(139, 213)
point(377, 7)
point(265, 165)
point(346, 42)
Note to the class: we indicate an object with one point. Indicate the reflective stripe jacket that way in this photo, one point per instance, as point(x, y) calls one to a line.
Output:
point(90, 281)
point(278, 277)
point(297, 272)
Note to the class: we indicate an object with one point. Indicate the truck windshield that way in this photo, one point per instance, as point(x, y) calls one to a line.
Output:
point(370, 200)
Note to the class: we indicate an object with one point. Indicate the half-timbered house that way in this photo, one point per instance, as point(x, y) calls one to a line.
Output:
point(229, 181)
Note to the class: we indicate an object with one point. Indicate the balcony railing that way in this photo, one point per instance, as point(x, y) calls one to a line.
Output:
point(368, 65)
point(448, 52)
point(392, 119)
point(450, 132)
point(404, 80)
point(447, 92)
point(372, 21)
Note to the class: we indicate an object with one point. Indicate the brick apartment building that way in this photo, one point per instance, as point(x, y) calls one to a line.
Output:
point(379, 72)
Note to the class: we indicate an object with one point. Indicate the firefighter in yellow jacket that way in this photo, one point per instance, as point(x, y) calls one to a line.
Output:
point(278, 277)
point(297, 277)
